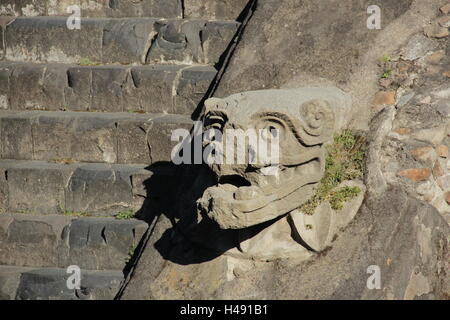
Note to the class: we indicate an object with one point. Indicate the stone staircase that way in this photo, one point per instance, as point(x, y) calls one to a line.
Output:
point(83, 114)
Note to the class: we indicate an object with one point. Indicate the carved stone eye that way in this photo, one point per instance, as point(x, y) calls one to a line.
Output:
point(315, 115)
point(215, 120)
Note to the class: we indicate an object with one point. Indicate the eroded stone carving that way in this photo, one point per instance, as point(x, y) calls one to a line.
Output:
point(261, 208)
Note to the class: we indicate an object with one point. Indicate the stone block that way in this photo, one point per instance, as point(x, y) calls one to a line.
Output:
point(100, 189)
point(4, 192)
point(25, 92)
point(47, 39)
point(15, 135)
point(194, 41)
point(154, 87)
point(32, 240)
point(74, 136)
point(159, 136)
point(134, 130)
point(37, 187)
point(103, 243)
point(107, 88)
point(127, 40)
point(191, 88)
point(215, 38)
point(51, 284)
point(78, 91)
point(9, 281)
point(214, 10)
point(5, 78)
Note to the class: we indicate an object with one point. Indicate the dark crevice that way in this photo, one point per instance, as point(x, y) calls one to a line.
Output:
point(132, 263)
point(183, 8)
point(296, 236)
point(225, 58)
point(104, 235)
point(235, 180)
point(69, 79)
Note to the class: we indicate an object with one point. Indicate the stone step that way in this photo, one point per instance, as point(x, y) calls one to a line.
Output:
point(207, 9)
point(175, 89)
point(62, 240)
point(111, 40)
point(68, 136)
point(37, 187)
point(19, 283)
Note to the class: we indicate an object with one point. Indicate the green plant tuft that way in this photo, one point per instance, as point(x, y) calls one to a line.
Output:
point(86, 62)
point(125, 215)
point(344, 161)
point(386, 74)
point(76, 214)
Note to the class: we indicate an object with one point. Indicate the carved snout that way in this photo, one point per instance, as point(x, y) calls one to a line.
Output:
point(214, 104)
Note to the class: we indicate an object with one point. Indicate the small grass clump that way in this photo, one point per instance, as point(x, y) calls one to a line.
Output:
point(63, 160)
point(76, 214)
point(344, 161)
point(125, 215)
point(385, 58)
point(387, 67)
point(387, 73)
point(130, 254)
point(86, 62)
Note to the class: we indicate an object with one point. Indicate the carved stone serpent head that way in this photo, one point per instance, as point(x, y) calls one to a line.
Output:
point(301, 120)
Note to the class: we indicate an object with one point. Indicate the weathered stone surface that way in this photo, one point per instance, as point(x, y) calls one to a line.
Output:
point(153, 88)
point(384, 97)
point(102, 243)
point(46, 188)
point(51, 284)
point(416, 174)
point(5, 75)
point(22, 7)
point(191, 41)
point(47, 39)
point(75, 137)
point(145, 270)
point(215, 10)
point(211, 9)
point(417, 47)
point(38, 188)
point(118, 9)
point(282, 45)
point(192, 86)
point(90, 137)
point(93, 8)
point(436, 31)
point(445, 9)
point(4, 192)
point(9, 281)
point(32, 240)
point(125, 41)
point(16, 138)
point(100, 190)
point(159, 136)
point(442, 151)
point(60, 241)
point(425, 154)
